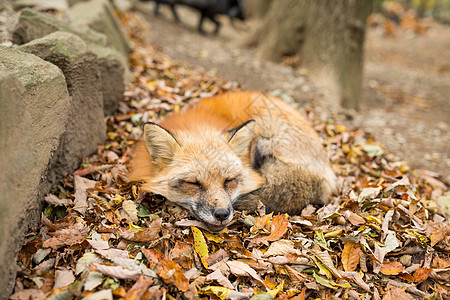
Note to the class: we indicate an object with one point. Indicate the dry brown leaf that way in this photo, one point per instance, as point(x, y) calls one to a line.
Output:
point(167, 269)
point(356, 278)
point(395, 293)
point(350, 256)
point(63, 277)
point(217, 256)
point(81, 194)
point(392, 268)
point(439, 235)
point(182, 253)
point(130, 209)
point(193, 223)
point(75, 234)
point(353, 218)
point(278, 228)
point(295, 275)
point(52, 199)
point(421, 274)
point(139, 288)
point(281, 247)
point(325, 258)
point(222, 280)
point(239, 268)
point(262, 222)
point(116, 271)
point(31, 294)
point(145, 235)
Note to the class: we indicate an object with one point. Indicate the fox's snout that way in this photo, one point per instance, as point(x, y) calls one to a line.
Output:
point(221, 214)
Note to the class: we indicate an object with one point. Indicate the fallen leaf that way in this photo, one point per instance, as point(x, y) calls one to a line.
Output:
point(63, 277)
point(103, 295)
point(439, 235)
point(52, 199)
point(30, 294)
point(93, 280)
point(144, 235)
point(395, 293)
point(116, 271)
point(200, 246)
point(242, 269)
point(274, 292)
point(353, 218)
point(81, 194)
point(167, 269)
point(130, 209)
point(325, 258)
point(182, 254)
point(368, 193)
point(74, 234)
point(217, 256)
point(421, 274)
point(220, 279)
point(350, 256)
point(392, 268)
point(224, 293)
point(278, 228)
point(281, 247)
point(356, 278)
point(139, 288)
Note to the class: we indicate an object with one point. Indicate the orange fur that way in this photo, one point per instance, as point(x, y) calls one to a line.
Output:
point(283, 148)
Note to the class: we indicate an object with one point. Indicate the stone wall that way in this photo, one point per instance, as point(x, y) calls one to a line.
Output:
point(58, 81)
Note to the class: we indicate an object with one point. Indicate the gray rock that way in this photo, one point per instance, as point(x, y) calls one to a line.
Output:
point(33, 116)
point(86, 127)
point(73, 2)
point(114, 74)
point(42, 4)
point(113, 65)
point(99, 15)
point(33, 25)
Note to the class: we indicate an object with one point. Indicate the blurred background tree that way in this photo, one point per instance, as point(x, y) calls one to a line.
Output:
point(326, 36)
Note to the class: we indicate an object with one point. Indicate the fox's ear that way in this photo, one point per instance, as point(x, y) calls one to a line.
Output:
point(241, 136)
point(160, 143)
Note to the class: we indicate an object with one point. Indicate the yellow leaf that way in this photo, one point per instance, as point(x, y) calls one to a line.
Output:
point(276, 290)
point(200, 246)
point(323, 269)
point(213, 237)
point(219, 291)
point(333, 234)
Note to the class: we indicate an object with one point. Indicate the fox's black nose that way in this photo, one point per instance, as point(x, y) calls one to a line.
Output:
point(221, 214)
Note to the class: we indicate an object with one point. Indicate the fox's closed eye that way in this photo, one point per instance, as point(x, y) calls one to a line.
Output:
point(230, 183)
point(193, 183)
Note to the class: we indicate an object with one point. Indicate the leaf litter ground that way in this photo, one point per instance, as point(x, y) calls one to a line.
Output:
point(383, 236)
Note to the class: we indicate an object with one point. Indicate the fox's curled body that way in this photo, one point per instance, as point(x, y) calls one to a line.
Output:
point(211, 157)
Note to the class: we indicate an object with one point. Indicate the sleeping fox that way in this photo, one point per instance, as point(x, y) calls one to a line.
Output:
point(229, 151)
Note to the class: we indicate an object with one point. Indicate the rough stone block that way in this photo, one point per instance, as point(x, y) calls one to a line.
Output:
point(42, 4)
point(33, 25)
point(33, 116)
point(112, 64)
point(16, 144)
point(47, 99)
point(86, 127)
point(113, 75)
point(99, 15)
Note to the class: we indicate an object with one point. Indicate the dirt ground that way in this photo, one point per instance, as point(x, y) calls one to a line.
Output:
point(405, 102)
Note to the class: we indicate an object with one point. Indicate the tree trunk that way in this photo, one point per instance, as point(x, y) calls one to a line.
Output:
point(256, 8)
point(328, 36)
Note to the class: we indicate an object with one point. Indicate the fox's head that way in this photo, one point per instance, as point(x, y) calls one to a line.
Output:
point(202, 169)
